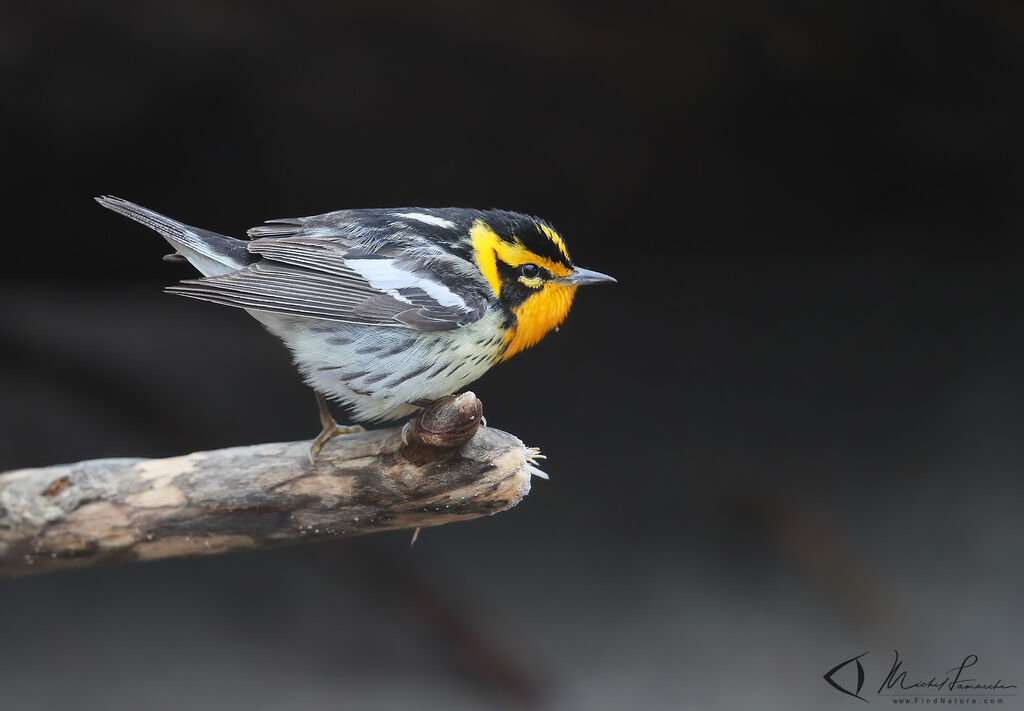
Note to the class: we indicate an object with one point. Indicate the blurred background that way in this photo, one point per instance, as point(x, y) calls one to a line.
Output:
point(789, 435)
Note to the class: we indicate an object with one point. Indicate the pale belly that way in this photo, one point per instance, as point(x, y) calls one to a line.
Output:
point(379, 371)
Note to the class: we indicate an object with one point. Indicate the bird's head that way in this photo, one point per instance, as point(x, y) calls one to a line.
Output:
point(529, 270)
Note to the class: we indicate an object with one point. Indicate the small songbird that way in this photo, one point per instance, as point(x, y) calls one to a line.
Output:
point(385, 310)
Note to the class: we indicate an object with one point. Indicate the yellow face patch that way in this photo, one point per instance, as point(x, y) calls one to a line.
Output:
point(542, 310)
point(540, 313)
point(488, 248)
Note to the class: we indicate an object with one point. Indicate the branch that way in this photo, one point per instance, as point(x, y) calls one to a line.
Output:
point(262, 495)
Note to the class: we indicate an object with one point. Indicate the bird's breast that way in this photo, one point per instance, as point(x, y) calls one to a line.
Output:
point(537, 316)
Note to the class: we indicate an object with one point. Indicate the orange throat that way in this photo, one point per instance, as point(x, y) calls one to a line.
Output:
point(536, 316)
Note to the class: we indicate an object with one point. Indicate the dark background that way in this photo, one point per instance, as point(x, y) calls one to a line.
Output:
point(790, 434)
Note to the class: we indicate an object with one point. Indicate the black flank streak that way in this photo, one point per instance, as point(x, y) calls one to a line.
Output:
point(401, 347)
point(405, 376)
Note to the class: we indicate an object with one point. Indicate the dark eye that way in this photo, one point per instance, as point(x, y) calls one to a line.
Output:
point(530, 271)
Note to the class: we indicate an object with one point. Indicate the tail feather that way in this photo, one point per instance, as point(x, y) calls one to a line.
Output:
point(209, 252)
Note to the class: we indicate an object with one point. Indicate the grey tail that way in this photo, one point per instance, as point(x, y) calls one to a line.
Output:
point(209, 252)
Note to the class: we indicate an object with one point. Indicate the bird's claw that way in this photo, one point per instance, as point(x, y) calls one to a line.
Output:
point(330, 429)
point(327, 434)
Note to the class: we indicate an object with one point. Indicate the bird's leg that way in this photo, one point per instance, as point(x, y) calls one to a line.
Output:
point(330, 427)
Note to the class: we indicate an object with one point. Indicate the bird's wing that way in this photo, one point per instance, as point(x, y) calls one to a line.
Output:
point(344, 275)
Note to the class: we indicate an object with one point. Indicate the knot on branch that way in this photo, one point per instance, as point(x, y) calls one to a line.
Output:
point(442, 427)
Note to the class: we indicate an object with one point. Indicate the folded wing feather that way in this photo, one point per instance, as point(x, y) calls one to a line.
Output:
point(313, 276)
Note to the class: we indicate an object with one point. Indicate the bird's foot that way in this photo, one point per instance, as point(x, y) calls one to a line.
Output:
point(330, 428)
point(327, 434)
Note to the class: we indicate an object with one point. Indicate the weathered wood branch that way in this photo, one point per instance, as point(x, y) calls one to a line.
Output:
point(262, 495)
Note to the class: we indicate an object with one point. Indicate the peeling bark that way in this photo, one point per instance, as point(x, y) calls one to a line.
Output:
point(262, 495)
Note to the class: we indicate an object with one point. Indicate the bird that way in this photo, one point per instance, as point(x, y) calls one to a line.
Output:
point(384, 310)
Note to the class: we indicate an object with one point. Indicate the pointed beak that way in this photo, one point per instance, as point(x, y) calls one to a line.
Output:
point(580, 276)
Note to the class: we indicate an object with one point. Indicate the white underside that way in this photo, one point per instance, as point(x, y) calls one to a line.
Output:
point(363, 366)
point(367, 373)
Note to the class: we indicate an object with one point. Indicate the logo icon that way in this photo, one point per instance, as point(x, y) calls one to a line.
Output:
point(860, 677)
